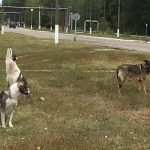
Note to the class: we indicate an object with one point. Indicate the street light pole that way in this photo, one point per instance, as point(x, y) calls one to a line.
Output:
point(118, 30)
point(57, 23)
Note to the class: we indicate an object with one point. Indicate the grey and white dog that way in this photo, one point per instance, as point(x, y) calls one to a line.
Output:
point(139, 71)
point(9, 100)
point(13, 73)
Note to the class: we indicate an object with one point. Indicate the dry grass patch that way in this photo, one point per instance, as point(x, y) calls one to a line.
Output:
point(81, 108)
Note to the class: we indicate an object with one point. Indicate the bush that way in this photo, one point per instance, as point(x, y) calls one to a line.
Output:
point(104, 25)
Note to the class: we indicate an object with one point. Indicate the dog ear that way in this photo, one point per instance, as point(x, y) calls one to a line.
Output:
point(20, 84)
point(146, 61)
point(9, 53)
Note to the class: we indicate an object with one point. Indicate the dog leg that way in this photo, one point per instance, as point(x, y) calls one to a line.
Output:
point(10, 120)
point(143, 84)
point(140, 86)
point(3, 120)
point(120, 87)
point(121, 77)
point(120, 91)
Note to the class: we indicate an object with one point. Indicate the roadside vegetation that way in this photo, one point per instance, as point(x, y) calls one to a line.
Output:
point(125, 36)
point(81, 109)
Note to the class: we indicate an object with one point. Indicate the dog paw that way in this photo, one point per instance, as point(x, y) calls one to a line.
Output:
point(11, 126)
point(3, 126)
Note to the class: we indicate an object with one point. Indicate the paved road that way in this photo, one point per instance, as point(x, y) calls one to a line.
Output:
point(114, 43)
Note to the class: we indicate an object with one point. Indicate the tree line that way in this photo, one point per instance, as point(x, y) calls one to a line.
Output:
point(134, 14)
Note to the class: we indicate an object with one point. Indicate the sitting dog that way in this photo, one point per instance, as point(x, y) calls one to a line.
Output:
point(9, 100)
point(140, 71)
point(13, 73)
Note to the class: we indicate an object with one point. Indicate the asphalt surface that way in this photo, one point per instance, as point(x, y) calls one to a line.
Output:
point(111, 42)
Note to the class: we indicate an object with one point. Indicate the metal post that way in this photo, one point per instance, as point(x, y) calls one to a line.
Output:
point(39, 18)
point(31, 18)
point(146, 32)
point(19, 19)
point(146, 29)
point(24, 15)
point(98, 26)
point(71, 20)
point(84, 26)
point(51, 28)
point(118, 30)
point(57, 23)
point(75, 33)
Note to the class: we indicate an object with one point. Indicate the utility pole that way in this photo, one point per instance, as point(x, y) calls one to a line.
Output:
point(90, 17)
point(31, 17)
point(57, 23)
point(118, 30)
point(39, 18)
point(104, 9)
point(24, 18)
point(51, 28)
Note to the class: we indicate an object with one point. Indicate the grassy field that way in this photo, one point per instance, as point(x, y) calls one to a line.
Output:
point(82, 109)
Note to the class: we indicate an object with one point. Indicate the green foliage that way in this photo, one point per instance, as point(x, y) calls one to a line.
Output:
point(104, 25)
point(15, 2)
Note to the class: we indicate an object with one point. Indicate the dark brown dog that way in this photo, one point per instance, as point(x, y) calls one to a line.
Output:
point(139, 71)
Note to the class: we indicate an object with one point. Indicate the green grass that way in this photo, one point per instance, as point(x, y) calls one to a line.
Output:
point(82, 109)
point(125, 36)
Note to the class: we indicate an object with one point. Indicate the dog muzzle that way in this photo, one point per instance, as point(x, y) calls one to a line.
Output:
point(27, 92)
point(15, 59)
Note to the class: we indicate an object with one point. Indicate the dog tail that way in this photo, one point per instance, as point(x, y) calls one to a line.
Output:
point(118, 78)
point(9, 53)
